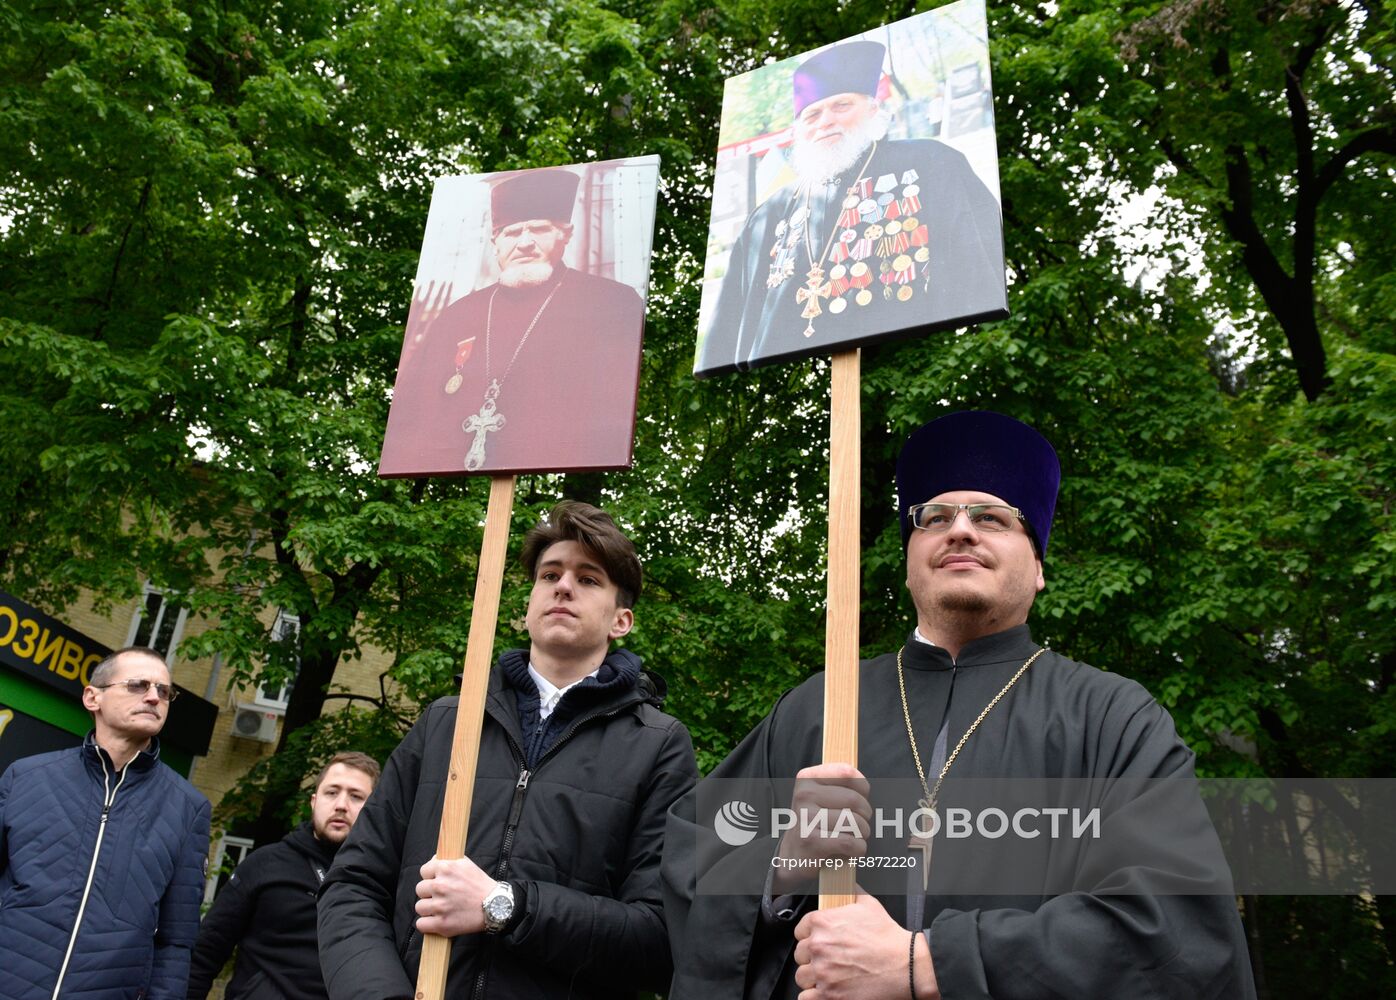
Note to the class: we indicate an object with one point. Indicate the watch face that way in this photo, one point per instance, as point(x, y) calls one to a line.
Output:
point(499, 907)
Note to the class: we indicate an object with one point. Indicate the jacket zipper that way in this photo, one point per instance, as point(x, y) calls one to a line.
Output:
point(583, 721)
point(501, 869)
point(477, 992)
point(108, 799)
point(521, 786)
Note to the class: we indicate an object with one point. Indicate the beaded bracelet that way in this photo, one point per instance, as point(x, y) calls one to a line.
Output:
point(911, 965)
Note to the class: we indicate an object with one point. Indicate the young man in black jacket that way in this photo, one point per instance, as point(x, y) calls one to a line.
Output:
point(559, 892)
point(267, 909)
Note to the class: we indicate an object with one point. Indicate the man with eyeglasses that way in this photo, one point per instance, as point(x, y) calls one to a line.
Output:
point(1003, 910)
point(103, 851)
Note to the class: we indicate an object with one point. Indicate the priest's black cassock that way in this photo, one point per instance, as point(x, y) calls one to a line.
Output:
point(1124, 930)
point(944, 263)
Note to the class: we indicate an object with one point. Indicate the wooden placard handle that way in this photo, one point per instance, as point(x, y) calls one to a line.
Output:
point(470, 716)
point(836, 888)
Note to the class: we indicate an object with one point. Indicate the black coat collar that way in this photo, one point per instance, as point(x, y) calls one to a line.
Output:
point(1000, 647)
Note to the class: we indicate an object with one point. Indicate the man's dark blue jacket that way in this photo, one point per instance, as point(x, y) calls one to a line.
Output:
point(109, 908)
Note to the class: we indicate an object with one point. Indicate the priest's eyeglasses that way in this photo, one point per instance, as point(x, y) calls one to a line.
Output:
point(138, 686)
point(938, 517)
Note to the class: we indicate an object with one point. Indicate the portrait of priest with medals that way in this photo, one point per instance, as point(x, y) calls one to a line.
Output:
point(870, 236)
point(538, 367)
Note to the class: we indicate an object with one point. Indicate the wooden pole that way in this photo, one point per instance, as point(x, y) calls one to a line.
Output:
point(470, 717)
point(836, 888)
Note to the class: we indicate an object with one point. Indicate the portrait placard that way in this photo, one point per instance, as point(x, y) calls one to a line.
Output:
point(856, 196)
point(522, 348)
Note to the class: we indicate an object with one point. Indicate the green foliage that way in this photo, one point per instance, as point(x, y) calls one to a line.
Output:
point(210, 215)
point(307, 750)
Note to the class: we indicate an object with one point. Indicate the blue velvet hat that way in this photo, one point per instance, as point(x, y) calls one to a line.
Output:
point(986, 452)
point(533, 194)
point(850, 68)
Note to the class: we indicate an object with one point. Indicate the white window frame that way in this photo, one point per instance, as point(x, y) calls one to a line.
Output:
point(277, 700)
point(227, 844)
point(166, 602)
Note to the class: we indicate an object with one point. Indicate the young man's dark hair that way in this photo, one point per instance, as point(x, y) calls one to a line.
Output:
point(594, 530)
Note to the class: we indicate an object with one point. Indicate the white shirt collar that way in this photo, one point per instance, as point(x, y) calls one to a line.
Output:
point(916, 634)
point(549, 694)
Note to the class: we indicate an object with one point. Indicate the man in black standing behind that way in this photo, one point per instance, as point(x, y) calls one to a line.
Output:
point(267, 909)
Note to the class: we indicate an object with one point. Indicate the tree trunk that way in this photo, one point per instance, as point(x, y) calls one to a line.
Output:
point(1250, 919)
point(583, 486)
point(305, 705)
point(318, 660)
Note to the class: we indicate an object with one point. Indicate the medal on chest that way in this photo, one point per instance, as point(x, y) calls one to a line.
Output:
point(877, 240)
point(819, 284)
point(790, 233)
point(463, 349)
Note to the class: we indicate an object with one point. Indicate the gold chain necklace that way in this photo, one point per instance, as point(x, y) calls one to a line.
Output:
point(923, 844)
point(489, 420)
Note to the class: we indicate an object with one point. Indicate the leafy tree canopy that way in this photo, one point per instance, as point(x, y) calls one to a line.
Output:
point(210, 216)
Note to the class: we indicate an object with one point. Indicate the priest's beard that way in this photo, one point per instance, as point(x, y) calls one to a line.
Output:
point(816, 164)
point(963, 606)
point(970, 612)
point(528, 275)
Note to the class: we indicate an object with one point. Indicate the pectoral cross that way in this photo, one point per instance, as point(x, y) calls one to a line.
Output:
point(923, 845)
point(816, 288)
point(480, 424)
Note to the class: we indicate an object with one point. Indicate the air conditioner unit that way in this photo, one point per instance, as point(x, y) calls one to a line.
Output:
point(257, 724)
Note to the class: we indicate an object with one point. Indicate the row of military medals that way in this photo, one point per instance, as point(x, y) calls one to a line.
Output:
point(877, 222)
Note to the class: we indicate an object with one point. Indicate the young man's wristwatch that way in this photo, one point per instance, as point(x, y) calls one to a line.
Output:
point(499, 907)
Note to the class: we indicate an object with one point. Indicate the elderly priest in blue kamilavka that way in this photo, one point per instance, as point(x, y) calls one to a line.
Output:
point(874, 235)
point(1137, 904)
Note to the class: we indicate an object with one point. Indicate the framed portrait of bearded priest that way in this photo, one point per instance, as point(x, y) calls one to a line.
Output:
point(856, 196)
point(522, 347)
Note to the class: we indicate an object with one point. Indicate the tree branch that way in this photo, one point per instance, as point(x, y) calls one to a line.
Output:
point(120, 254)
point(1289, 298)
point(1305, 200)
point(346, 696)
point(1179, 160)
point(1381, 139)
